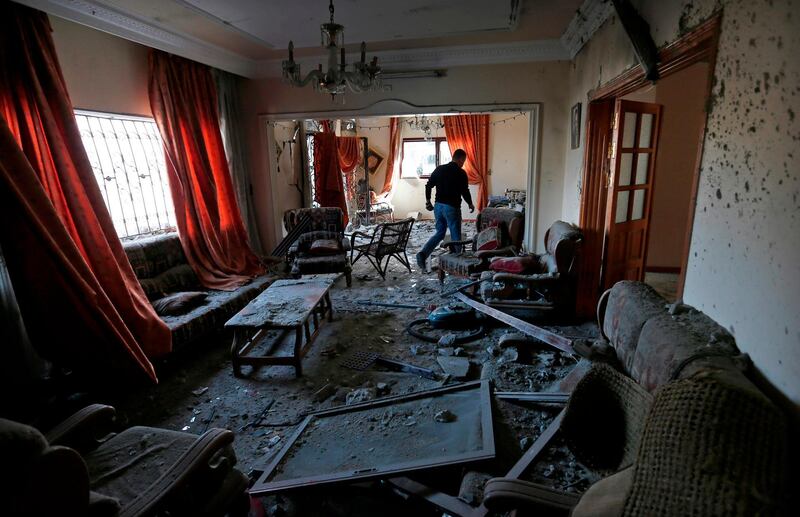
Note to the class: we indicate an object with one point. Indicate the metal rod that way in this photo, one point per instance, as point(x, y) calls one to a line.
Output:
point(551, 338)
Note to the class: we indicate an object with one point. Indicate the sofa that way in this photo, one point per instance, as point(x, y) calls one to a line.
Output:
point(162, 269)
point(712, 442)
point(668, 410)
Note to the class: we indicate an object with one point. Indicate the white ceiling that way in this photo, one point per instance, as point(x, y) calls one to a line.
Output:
point(278, 21)
point(249, 37)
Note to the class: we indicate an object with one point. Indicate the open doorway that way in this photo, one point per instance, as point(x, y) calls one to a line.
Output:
point(511, 161)
point(682, 97)
point(637, 204)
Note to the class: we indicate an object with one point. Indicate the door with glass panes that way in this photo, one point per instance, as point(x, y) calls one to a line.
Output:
point(630, 190)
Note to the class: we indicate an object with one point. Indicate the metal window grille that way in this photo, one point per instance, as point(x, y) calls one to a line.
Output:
point(127, 158)
point(311, 171)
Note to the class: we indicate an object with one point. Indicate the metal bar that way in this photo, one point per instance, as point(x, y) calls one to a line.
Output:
point(551, 338)
point(366, 179)
point(556, 398)
point(408, 368)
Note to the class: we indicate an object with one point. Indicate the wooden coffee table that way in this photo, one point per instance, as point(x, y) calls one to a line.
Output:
point(288, 306)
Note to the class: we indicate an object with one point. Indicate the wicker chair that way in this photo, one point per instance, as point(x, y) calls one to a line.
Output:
point(472, 262)
point(80, 468)
point(387, 240)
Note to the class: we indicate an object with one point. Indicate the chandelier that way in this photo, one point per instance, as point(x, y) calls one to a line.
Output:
point(425, 124)
point(363, 76)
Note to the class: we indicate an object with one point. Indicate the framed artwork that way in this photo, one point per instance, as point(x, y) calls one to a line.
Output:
point(374, 160)
point(575, 126)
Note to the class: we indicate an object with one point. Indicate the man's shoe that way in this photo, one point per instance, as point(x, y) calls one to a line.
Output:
point(421, 261)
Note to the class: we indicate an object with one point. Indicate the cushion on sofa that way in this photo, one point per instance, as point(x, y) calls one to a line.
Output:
point(630, 305)
point(489, 239)
point(178, 303)
point(325, 247)
point(668, 344)
point(177, 278)
point(517, 265)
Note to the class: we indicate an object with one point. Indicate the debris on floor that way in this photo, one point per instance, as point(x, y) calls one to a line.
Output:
point(370, 322)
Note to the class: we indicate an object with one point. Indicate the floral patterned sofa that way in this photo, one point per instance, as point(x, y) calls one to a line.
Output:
point(162, 269)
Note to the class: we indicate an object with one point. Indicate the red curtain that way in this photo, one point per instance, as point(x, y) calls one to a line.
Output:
point(328, 186)
point(394, 153)
point(349, 152)
point(80, 299)
point(471, 133)
point(184, 103)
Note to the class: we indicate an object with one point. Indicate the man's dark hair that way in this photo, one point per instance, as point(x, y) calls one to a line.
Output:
point(460, 153)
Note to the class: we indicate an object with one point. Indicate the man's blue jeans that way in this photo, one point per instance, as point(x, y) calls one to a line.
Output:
point(447, 217)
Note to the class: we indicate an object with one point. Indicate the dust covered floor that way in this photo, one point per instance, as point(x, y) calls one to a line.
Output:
point(198, 389)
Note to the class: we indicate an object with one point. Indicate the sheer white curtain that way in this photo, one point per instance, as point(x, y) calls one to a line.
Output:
point(230, 123)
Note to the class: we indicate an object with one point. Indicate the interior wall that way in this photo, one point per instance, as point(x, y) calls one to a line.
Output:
point(744, 261)
point(487, 84)
point(102, 72)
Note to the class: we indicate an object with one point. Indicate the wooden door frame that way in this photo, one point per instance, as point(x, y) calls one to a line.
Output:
point(698, 45)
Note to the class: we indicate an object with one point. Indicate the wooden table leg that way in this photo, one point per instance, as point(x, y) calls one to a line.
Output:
point(329, 305)
point(298, 351)
point(239, 338)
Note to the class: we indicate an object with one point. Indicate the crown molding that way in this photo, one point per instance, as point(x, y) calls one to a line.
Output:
point(441, 57)
point(106, 19)
point(99, 16)
point(591, 15)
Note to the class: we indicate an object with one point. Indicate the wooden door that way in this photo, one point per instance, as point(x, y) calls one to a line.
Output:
point(630, 190)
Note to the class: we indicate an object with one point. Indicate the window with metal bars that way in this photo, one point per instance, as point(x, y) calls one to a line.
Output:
point(127, 158)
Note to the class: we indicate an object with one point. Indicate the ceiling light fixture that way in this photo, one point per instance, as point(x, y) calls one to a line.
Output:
point(425, 124)
point(363, 77)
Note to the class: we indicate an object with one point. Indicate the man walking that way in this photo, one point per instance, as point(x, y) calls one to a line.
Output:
point(451, 185)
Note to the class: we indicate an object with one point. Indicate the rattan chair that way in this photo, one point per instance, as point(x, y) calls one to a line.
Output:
point(387, 240)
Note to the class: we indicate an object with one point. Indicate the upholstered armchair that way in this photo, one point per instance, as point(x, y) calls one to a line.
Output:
point(546, 281)
point(321, 248)
point(80, 468)
point(498, 234)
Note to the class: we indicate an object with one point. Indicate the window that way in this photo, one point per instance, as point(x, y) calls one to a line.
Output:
point(421, 156)
point(128, 163)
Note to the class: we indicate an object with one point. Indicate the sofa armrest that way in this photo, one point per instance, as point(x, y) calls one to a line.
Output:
point(508, 251)
point(449, 245)
point(85, 429)
point(504, 494)
point(197, 460)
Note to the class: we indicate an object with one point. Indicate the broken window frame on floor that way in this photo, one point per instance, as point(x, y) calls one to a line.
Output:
point(486, 451)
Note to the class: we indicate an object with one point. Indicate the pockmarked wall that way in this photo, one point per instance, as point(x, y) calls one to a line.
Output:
point(541, 82)
point(744, 262)
point(102, 72)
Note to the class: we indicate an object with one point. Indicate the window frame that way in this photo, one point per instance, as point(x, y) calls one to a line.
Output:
point(150, 147)
point(437, 140)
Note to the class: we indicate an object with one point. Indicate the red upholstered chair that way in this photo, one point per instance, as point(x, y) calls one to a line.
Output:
point(549, 282)
point(472, 261)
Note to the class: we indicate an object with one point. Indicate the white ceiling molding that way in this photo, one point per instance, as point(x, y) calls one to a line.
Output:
point(441, 57)
point(98, 16)
point(146, 32)
point(588, 19)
